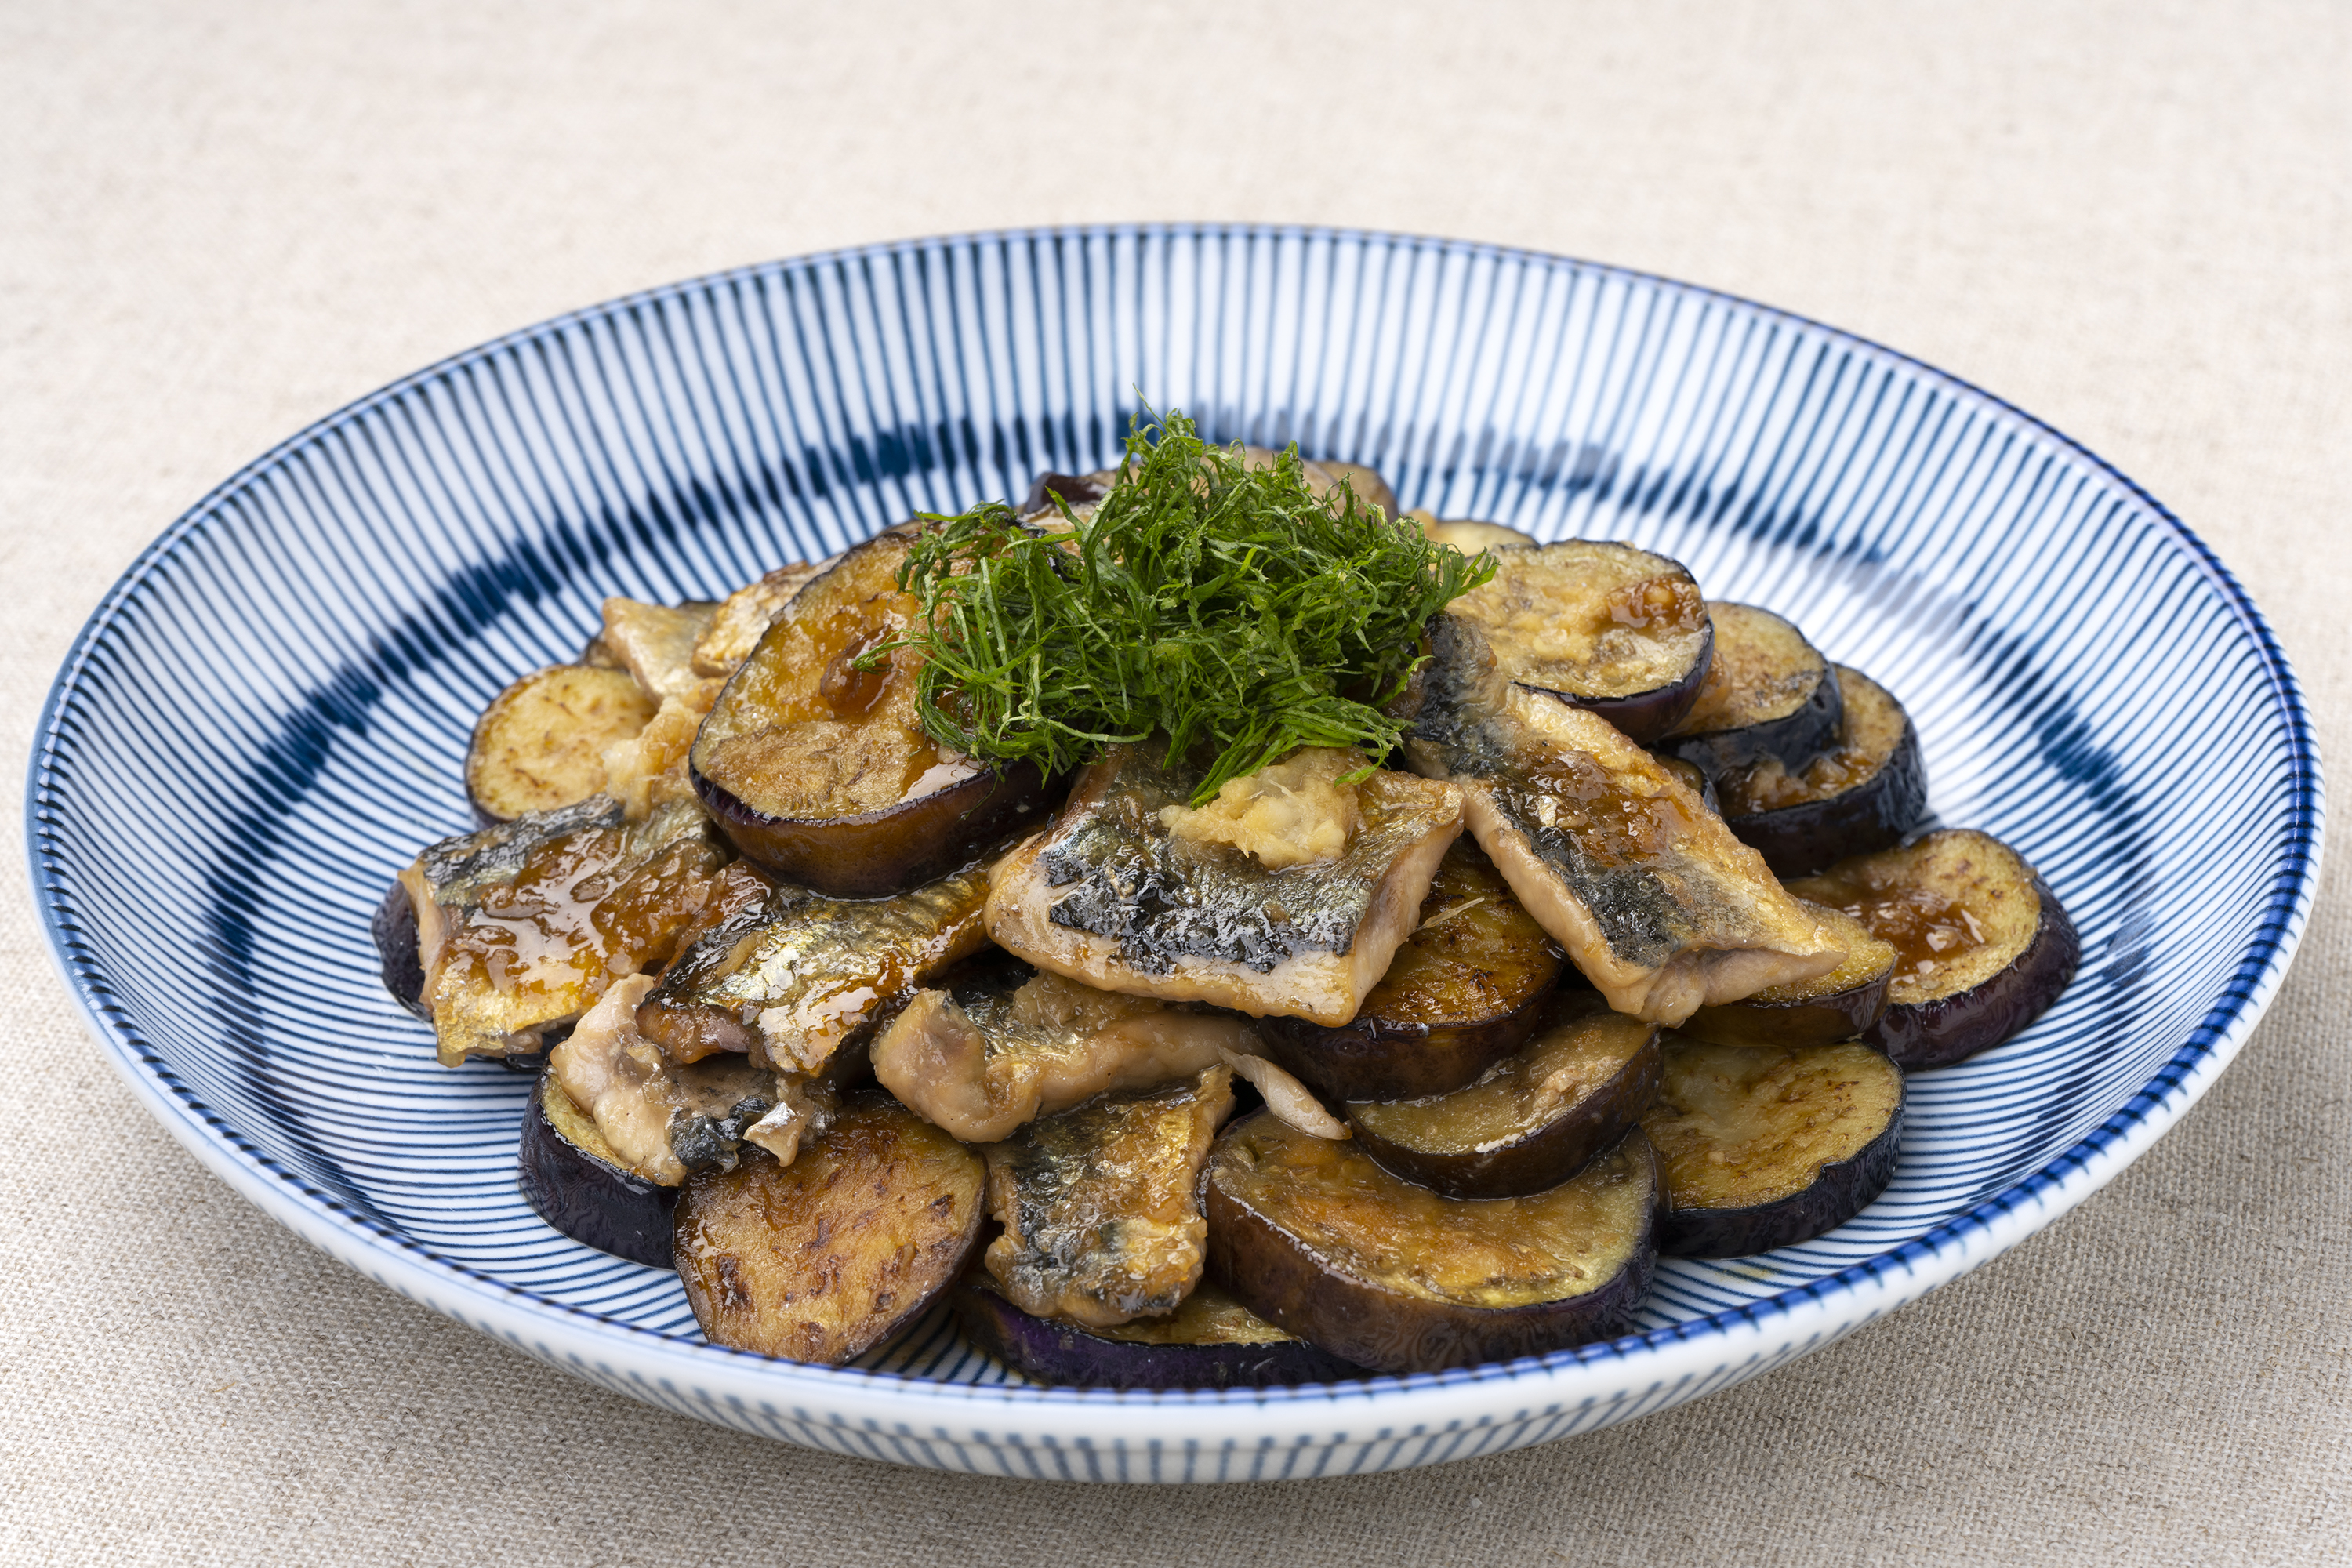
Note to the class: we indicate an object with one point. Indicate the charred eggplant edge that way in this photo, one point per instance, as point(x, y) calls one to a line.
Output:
point(1647, 715)
point(1836, 1193)
point(1068, 1354)
point(1812, 836)
point(587, 1197)
point(1940, 1033)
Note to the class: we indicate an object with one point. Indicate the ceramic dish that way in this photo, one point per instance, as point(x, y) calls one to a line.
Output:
point(266, 715)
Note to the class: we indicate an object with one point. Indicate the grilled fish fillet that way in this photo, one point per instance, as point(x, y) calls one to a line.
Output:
point(1109, 895)
point(1653, 898)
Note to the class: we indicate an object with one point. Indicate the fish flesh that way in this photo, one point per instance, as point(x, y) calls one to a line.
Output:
point(1653, 898)
point(1100, 1207)
point(791, 980)
point(663, 1119)
point(1002, 1043)
point(1114, 895)
point(523, 925)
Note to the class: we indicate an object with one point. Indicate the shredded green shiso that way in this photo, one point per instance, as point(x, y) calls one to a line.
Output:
point(1217, 603)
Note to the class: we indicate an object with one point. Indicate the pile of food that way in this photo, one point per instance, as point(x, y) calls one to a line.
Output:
point(1217, 929)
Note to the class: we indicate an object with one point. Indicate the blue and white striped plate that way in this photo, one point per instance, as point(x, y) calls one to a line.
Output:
point(266, 718)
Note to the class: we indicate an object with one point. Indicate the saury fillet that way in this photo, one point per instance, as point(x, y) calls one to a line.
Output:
point(1653, 898)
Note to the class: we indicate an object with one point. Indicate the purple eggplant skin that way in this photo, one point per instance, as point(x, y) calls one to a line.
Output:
point(1798, 840)
point(1818, 1021)
point(588, 1198)
point(1066, 1354)
point(1079, 489)
point(1647, 715)
point(877, 853)
point(1950, 1030)
point(395, 929)
point(1284, 1280)
point(1370, 1059)
point(1542, 1159)
point(1841, 1191)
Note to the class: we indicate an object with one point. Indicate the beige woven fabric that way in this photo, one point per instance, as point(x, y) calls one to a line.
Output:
point(2136, 220)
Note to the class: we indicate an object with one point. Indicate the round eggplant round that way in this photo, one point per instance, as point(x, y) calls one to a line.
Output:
point(1863, 796)
point(571, 1178)
point(1210, 1341)
point(821, 771)
point(1839, 1006)
point(823, 1259)
point(1318, 1239)
point(1768, 1148)
point(1472, 537)
point(540, 743)
point(1534, 1119)
point(394, 928)
point(1600, 625)
point(1768, 693)
point(1464, 991)
point(1983, 946)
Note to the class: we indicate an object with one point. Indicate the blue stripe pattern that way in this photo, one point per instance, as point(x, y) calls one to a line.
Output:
point(266, 717)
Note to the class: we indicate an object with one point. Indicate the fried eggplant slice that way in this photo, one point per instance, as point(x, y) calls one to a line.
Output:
point(1314, 1238)
point(1839, 1006)
point(1210, 1341)
point(1768, 1148)
point(1768, 693)
point(1604, 625)
point(394, 928)
point(789, 980)
point(744, 617)
point(1864, 794)
point(540, 746)
point(1277, 898)
point(1982, 945)
point(821, 771)
point(825, 1259)
point(1462, 993)
point(1470, 537)
point(521, 926)
point(1002, 1044)
point(1651, 897)
point(1533, 1119)
point(1099, 1204)
point(573, 1179)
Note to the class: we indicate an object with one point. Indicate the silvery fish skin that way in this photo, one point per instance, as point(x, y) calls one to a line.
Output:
point(793, 979)
point(522, 926)
point(1109, 896)
point(1002, 1043)
point(1663, 909)
point(1100, 1207)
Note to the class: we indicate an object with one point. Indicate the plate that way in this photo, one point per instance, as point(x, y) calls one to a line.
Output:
point(266, 718)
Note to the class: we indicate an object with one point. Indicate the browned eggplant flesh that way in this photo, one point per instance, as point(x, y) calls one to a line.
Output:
point(1864, 794)
point(573, 1179)
point(1982, 946)
point(820, 769)
point(1604, 626)
point(1649, 893)
point(1463, 993)
point(1317, 1238)
point(541, 745)
point(1470, 537)
point(792, 979)
point(825, 1259)
point(1768, 693)
point(1765, 1148)
point(1000, 1044)
point(1099, 1204)
point(1289, 893)
point(1822, 1011)
point(1210, 1341)
point(1534, 1119)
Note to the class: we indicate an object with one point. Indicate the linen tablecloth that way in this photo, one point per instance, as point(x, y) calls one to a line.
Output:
point(2133, 220)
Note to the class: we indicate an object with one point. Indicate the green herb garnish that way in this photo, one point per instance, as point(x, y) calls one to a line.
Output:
point(1219, 605)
